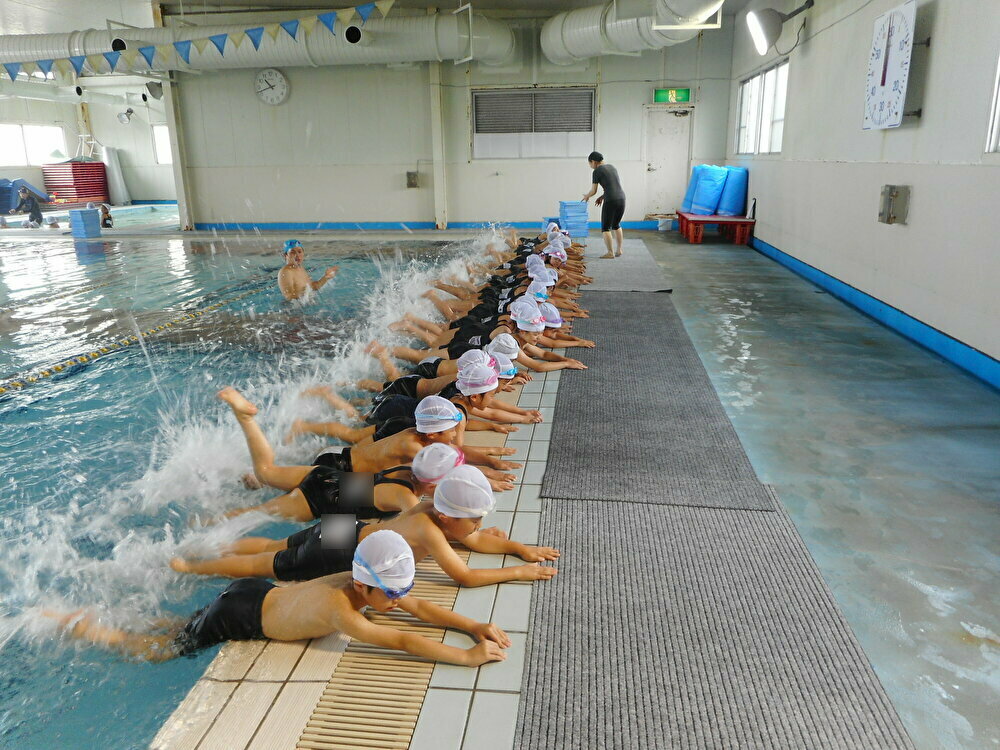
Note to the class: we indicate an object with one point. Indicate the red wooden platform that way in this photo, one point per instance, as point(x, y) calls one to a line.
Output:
point(736, 228)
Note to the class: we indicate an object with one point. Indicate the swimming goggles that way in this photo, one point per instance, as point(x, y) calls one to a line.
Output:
point(457, 417)
point(389, 592)
point(508, 374)
point(530, 321)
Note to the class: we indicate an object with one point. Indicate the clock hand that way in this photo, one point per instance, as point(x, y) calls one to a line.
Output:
point(885, 62)
point(261, 91)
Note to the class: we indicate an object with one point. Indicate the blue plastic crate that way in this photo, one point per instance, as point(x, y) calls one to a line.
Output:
point(85, 222)
point(546, 220)
point(573, 218)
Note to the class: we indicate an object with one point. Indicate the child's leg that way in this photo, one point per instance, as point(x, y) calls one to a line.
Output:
point(380, 353)
point(260, 565)
point(429, 387)
point(328, 429)
point(291, 505)
point(87, 628)
point(417, 355)
point(261, 453)
point(413, 330)
point(453, 290)
point(339, 403)
point(366, 384)
point(425, 324)
point(442, 307)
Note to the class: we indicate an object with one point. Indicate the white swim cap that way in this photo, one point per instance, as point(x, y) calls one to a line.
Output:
point(477, 378)
point(384, 559)
point(552, 317)
point(524, 308)
point(504, 367)
point(464, 493)
point(534, 260)
point(473, 357)
point(559, 254)
point(552, 227)
point(432, 462)
point(504, 344)
point(436, 414)
point(538, 290)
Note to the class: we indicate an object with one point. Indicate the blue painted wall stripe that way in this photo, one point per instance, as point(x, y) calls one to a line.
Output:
point(383, 225)
point(960, 354)
point(154, 203)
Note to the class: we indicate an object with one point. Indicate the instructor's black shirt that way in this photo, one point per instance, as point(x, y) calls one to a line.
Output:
point(607, 177)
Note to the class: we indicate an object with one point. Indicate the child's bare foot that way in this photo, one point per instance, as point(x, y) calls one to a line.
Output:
point(180, 565)
point(398, 326)
point(251, 482)
point(318, 390)
point(293, 433)
point(63, 619)
point(242, 408)
point(375, 348)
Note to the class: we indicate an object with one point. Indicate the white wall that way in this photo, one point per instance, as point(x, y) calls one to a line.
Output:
point(818, 199)
point(37, 112)
point(144, 178)
point(339, 148)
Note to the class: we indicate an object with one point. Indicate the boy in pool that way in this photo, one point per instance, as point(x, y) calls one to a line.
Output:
point(380, 578)
point(293, 281)
point(462, 498)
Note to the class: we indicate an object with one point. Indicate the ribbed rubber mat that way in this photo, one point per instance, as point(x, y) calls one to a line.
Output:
point(374, 696)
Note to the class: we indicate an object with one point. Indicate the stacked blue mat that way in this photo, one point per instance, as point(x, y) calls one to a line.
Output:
point(85, 222)
point(9, 197)
point(717, 191)
point(573, 218)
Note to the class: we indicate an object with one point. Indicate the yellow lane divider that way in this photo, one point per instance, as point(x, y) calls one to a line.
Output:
point(15, 383)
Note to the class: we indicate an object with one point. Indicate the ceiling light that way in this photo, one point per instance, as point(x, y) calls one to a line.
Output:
point(765, 25)
point(126, 116)
point(155, 89)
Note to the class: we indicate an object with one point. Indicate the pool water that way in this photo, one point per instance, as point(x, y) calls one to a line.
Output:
point(106, 463)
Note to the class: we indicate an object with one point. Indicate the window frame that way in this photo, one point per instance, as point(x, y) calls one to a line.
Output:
point(24, 142)
point(533, 91)
point(156, 151)
point(755, 123)
point(993, 125)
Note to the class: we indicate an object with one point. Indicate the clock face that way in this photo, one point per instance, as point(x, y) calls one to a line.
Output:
point(271, 86)
point(889, 67)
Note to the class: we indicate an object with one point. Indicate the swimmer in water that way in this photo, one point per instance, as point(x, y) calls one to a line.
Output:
point(380, 578)
point(293, 281)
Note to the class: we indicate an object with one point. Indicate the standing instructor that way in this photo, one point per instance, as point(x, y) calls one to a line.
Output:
point(613, 199)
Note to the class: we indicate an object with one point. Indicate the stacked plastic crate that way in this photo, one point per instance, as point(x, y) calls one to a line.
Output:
point(85, 222)
point(573, 218)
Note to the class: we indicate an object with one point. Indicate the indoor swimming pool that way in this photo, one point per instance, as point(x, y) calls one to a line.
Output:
point(107, 462)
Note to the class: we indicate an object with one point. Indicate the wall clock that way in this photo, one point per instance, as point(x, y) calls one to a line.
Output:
point(889, 67)
point(271, 86)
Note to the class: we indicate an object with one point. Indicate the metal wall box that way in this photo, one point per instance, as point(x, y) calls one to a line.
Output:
point(894, 204)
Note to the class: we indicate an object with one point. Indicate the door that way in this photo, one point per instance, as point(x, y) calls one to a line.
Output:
point(667, 158)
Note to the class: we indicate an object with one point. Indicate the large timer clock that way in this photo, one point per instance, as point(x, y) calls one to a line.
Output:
point(889, 67)
point(271, 86)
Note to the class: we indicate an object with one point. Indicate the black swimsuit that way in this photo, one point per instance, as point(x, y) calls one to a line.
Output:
point(340, 461)
point(235, 615)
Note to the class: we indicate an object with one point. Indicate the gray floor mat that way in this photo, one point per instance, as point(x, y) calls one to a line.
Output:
point(635, 271)
point(675, 627)
point(644, 423)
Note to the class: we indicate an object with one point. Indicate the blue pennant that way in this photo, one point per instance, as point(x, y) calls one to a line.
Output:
point(328, 20)
point(112, 58)
point(292, 27)
point(78, 61)
point(184, 50)
point(364, 11)
point(45, 65)
point(255, 35)
point(148, 53)
point(219, 40)
point(12, 70)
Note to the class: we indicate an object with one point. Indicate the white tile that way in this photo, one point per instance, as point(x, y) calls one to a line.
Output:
point(482, 560)
point(442, 719)
point(520, 446)
point(505, 675)
point(530, 400)
point(499, 518)
point(542, 431)
point(476, 603)
point(286, 719)
point(529, 501)
point(547, 413)
point(539, 450)
point(492, 722)
point(548, 399)
point(554, 376)
point(533, 472)
point(524, 432)
point(535, 386)
point(452, 675)
point(525, 528)
point(550, 386)
point(511, 608)
point(506, 500)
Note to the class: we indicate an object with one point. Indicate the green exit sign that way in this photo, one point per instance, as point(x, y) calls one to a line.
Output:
point(671, 96)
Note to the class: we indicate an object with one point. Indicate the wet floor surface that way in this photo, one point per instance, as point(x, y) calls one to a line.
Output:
point(888, 460)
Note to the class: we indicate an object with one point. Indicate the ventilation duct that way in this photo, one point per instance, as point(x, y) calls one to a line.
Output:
point(51, 93)
point(590, 32)
point(392, 40)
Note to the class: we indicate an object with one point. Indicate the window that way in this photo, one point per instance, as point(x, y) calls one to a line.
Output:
point(532, 123)
point(161, 145)
point(993, 136)
point(762, 112)
point(23, 145)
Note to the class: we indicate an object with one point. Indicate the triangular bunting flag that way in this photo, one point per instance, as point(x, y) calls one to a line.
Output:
point(12, 70)
point(219, 40)
point(345, 16)
point(328, 20)
point(184, 50)
point(292, 27)
point(272, 30)
point(384, 6)
point(165, 51)
point(63, 66)
point(44, 65)
point(112, 58)
point(148, 53)
point(255, 34)
point(200, 44)
point(308, 24)
point(236, 39)
point(29, 68)
point(364, 11)
point(129, 56)
point(94, 61)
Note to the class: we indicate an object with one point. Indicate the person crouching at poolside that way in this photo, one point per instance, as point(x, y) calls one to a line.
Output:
point(462, 499)
point(380, 578)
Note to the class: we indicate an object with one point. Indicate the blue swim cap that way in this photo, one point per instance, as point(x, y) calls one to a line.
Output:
point(289, 244)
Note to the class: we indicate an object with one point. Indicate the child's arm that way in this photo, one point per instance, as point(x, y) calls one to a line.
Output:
point(502, 412)
point(553, 358)
point(457, 570)
point(492, 544)
point(429, 612)
point(330, 273)
point(482, 457)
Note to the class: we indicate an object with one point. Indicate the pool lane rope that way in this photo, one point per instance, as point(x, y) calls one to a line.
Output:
point(13, 384)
